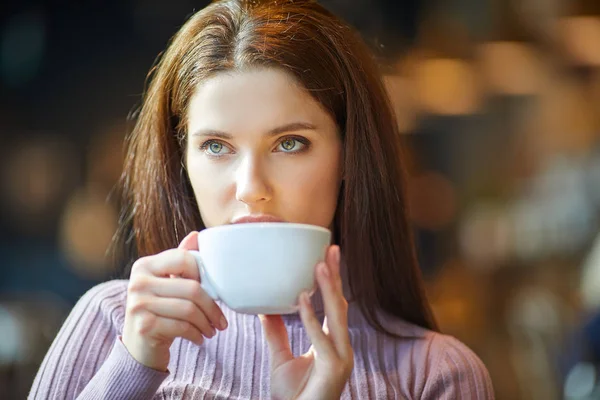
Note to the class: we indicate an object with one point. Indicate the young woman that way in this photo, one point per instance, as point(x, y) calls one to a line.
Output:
point(263, 111)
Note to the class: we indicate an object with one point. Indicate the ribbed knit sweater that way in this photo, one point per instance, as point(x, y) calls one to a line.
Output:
point(87, 360)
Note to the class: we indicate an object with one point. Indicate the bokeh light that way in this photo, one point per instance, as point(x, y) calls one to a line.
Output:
point(36, 177)
point(511, 68)
point(447, 87)
point(87, 227)
point(580, 37)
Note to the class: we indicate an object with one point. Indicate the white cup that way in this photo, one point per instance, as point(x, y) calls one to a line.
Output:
point(260, 268)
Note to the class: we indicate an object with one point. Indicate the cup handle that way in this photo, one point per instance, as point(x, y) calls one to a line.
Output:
point(205, 283)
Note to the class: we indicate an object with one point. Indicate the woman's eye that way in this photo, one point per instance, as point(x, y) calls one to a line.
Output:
point(214, 148)
point(291, 145)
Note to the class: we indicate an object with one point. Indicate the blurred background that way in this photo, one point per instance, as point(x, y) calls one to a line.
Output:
point(498, 102)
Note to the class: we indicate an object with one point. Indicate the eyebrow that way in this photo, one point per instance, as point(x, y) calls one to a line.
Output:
point(292, 127)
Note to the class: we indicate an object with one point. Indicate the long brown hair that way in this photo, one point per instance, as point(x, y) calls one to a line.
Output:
point(329, 59)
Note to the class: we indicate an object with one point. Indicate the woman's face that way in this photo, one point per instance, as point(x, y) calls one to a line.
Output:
point(260, 146)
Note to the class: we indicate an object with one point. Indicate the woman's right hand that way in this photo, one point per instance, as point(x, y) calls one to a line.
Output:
point(165, 301)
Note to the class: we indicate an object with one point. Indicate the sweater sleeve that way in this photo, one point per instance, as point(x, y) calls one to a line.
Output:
point(87, 359)
point(457, 373)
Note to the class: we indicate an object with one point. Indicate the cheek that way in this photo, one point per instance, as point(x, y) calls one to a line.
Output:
point(211, 188)
point(311, 191)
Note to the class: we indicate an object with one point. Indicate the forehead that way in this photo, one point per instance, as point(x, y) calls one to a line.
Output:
point(252, 99)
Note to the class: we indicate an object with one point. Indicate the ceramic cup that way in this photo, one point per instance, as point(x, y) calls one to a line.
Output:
point(260, 268)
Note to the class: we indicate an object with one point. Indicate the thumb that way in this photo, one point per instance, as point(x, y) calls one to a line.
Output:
point(190, 242)
point(277, 339)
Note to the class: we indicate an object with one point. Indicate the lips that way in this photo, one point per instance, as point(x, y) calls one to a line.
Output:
point(256, 218)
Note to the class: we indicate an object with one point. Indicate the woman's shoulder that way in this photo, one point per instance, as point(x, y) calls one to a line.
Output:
point(450, 354)
point(432, 346)
point(455, 370)
point(106, 292)
point(107, 299)
point(445, 363)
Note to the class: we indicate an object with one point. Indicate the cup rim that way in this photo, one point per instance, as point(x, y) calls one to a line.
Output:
point(284, 225)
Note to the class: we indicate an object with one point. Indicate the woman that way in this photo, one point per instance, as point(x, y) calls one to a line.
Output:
point(262, 111)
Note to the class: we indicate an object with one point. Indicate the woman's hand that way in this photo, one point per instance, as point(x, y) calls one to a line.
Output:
point(165, 301)
point(323, 371)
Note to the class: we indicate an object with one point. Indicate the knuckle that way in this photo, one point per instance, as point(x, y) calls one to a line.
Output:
point(178, 256)
point(139, 265)
point(146, 324)
point(135, 305)
point(182, 326)
point(181, 258)
point(189, 310)
point(193, 289)
point(137, 284)
point(188, 258)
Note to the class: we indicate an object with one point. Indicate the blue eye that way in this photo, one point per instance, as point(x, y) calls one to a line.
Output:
point(215, 148)
point(293, 145)
point(288, 144)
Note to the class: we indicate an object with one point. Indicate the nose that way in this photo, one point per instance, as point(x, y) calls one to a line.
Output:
point(252, 185)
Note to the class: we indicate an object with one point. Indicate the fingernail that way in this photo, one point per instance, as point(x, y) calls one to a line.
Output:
point(337, 255)
point(223, 323)
point(325, 270)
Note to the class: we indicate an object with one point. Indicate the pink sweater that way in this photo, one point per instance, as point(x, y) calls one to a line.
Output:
point(88, 361)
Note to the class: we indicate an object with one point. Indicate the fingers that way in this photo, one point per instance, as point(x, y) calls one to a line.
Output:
point(336, 306)
point(173, 262)
point(165, 301)
point(190, 242)
point(277, 339)
point(333, 259)
point(182, 310)
point(154, 326)
point(319, 339)
point(191, 290)
point(186, 289)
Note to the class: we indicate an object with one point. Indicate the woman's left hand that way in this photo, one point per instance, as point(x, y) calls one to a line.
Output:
point(323, 371)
